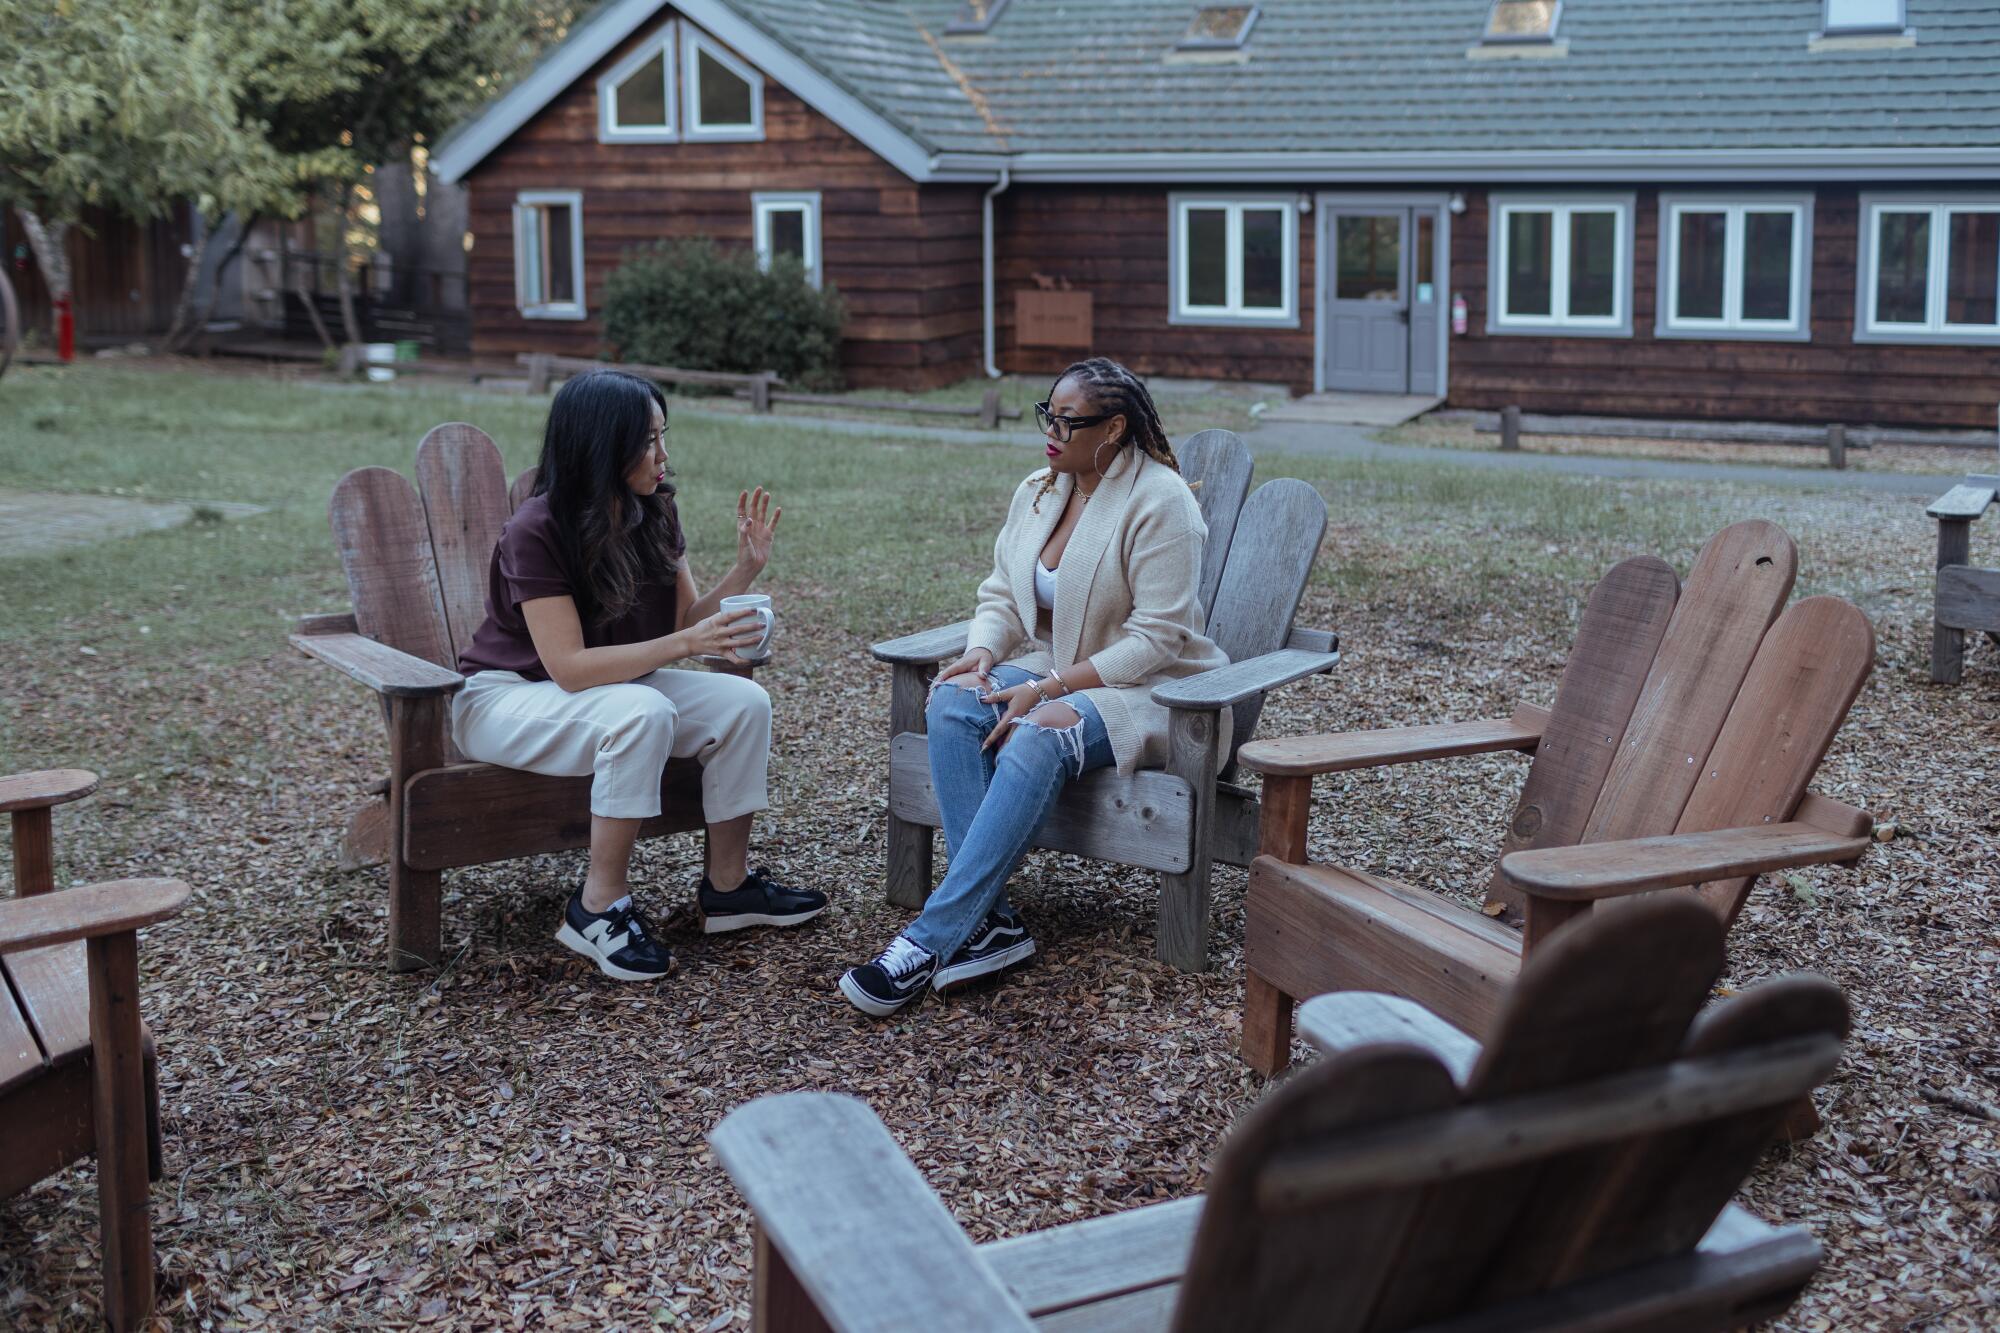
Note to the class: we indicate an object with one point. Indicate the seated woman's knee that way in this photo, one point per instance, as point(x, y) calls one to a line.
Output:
point(953, 699)
point(1054, 716)
point(641, 713)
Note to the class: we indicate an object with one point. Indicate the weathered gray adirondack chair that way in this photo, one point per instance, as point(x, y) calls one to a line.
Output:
point(417, 566)
point(1181, 819)
point(1575, 1173)
point(1967, 597)
point(1685, 730)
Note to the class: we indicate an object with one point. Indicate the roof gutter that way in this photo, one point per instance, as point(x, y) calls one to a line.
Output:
point(986, 265)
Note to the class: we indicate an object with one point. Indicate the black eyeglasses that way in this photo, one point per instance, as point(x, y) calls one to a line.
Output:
point(1060, 429)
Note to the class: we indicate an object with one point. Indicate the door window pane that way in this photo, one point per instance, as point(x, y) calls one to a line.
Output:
point(1972, 269)
point(1593, 264)
point(1264, 258)
point(1421, 274)
point(642, 99)
point(1207, 256)
point(1530, 262)
point(723, 95)
point(1370, 258)
point(1902, 267)
point(1767, 266)
point(1703, 240)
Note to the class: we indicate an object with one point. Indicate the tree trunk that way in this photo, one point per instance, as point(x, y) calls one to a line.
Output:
point(181, 326)
point(50, 243)
point(187, 317)
point(350, 317)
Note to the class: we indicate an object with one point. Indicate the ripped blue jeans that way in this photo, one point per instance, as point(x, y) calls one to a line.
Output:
point(993, 801)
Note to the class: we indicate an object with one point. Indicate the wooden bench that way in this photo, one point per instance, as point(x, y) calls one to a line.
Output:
point(1967, 598)
point(1573, 1172)
point(77, 1070)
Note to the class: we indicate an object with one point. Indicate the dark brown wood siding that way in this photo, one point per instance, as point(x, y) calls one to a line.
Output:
point(126, 274)
point(1832, 378)
point(1113, 243)
point(906, 259)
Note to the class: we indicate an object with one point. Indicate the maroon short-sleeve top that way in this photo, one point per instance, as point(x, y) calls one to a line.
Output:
point(529, 562)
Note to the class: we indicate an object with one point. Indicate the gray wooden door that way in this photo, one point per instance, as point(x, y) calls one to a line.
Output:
point(1367, 294)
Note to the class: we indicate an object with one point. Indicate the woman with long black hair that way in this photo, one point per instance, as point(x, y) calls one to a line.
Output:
point(589, 598)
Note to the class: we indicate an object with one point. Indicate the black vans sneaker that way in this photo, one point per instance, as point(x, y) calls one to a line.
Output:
point(1001, 942)
point(897, 976)
point(618, 941)
point(758, 901)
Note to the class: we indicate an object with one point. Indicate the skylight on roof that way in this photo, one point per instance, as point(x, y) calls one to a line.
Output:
point(1523, 20)
point(1845, 16)
point(1219, 27)
point(975, 16)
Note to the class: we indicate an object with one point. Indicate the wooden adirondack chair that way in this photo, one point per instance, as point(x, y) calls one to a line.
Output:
point(1967, 597)
point(1573, 1174)
point(1685, 729)
point(416, 561)
point(1181, 819)
point(77, 1072)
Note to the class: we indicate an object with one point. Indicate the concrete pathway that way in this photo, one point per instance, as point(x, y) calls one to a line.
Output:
point(37, 522)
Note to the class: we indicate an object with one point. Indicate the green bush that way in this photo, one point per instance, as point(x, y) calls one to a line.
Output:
point(692, 305)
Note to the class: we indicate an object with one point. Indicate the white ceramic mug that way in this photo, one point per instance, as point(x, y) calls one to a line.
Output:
point(761, 604)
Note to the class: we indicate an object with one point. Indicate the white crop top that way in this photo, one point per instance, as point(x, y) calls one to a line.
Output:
point(1045, 587)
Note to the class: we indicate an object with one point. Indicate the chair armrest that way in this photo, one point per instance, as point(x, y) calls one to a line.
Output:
point(926, 647)
point(87, 912)
point(1302, 756)
point(1967, 500)
point(39, 791)
point(1347, 1019)
point(381, 668)
point(1594, 870)
point(866, 1239)
point(1225, 685)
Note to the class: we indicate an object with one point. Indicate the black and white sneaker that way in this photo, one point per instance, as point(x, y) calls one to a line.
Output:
point(758, 901)
point(618, 941)
point(897, 976)
point(1001, 942)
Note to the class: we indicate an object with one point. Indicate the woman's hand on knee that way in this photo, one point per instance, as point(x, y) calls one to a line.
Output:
point(975, 666)
point(1015, 703)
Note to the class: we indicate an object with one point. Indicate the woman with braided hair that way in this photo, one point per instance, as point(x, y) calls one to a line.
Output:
point(1094, 599)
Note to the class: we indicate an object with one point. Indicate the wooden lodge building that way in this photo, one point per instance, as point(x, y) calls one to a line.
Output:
point(1767, 209)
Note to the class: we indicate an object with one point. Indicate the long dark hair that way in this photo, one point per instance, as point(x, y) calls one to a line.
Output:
point(1113, 389)
point(616, 541)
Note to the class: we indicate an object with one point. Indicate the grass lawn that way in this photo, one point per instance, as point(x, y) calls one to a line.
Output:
point(513, 1142)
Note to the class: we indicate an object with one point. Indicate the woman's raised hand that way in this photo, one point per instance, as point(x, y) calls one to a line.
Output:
point(724, 632)
point(975, 664)
point(756, 523)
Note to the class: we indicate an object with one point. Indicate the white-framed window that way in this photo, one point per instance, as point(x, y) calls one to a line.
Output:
point(1560, 265)
point(1930, 270)
point(635, 99)
point(788, 225)
point(1234, 259)
point(724, 96)
point(1735, 267)
point(548, 254)
point(1842, 17)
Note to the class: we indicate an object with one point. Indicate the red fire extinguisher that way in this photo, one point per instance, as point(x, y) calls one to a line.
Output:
point(1458, 314)
point(65, 328)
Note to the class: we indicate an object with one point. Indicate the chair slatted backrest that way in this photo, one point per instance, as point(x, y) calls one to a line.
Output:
point(1278, 536)
point(1371, 1193)
point(463, 483)
point(523, 487)
point(392, 575)
point(1217, 464)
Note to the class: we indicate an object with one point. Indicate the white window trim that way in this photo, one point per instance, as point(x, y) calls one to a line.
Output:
point(524, 204)
point(762, 206)
point(1933, 329)
point(693, 43)
point(1618, 324)
point(1234, 312)
point(1732, 326)
point(661, 43)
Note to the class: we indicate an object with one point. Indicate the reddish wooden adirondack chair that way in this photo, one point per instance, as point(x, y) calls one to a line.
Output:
point(1574, 1174)
point(1677, 753)
point(416, 561)
point(77, 1073)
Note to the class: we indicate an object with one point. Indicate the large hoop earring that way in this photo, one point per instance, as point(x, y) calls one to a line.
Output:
point(1099, 467)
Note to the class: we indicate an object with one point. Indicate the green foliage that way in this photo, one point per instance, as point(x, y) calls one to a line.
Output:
point(693, 305)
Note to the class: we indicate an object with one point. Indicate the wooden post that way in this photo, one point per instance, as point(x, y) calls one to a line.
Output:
point(1836, 446)
point(34, 852)
point(1510, 429)
point(911, 847)
point(119, 1102)
point(779, 1302)
point(351, 360)
point(541, 369)
point(760, 391)
point(416, 742)
point(1191, 756)
point(1948, 644)
point(1267, 1026)
point(989, 409)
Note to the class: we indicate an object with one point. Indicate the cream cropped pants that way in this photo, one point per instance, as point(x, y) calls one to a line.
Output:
point(623, 735)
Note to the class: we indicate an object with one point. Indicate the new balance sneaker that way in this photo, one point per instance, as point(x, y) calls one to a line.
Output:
point(1000, 943)
point(897, 976)
point(618, 941)
point(758, 901)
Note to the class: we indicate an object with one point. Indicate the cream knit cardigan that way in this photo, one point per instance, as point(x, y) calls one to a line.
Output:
point(1128, 597)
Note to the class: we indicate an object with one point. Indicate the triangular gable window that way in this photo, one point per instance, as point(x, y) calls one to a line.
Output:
point(635, 100)
point(1523, 20)
point(725, 96)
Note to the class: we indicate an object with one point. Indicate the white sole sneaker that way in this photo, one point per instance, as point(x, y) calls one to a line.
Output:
point(871, 1006)
point(568, 936)
point(717, 925)
point(960, 973)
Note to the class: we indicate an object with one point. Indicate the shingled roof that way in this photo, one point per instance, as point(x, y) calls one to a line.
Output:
point(1378, 89)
